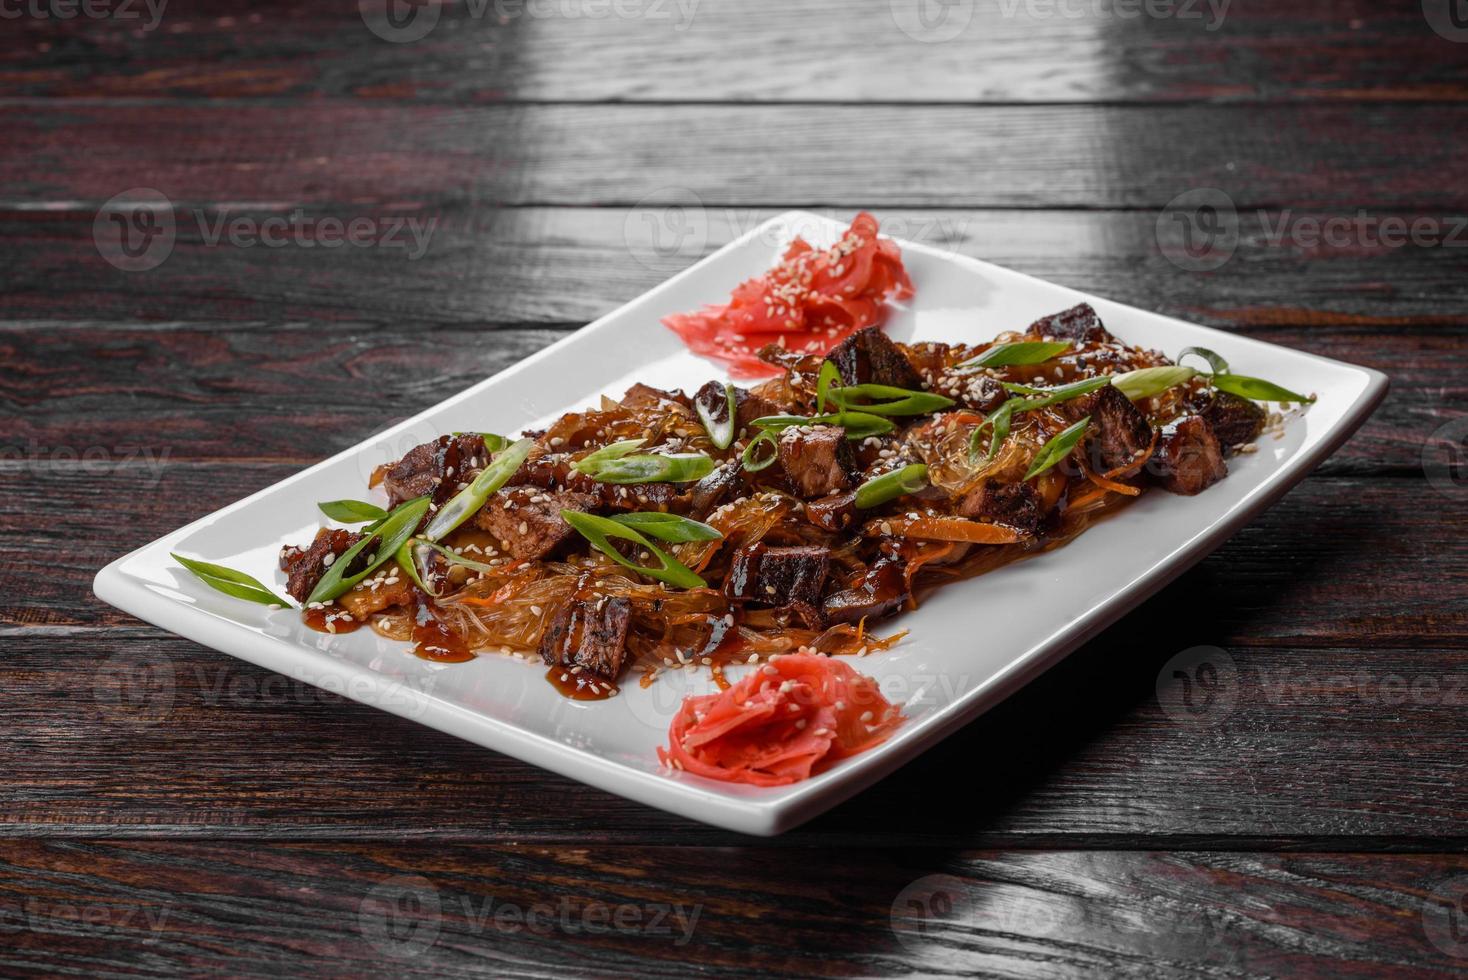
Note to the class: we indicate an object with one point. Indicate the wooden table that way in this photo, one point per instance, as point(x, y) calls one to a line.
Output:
point(246, 824)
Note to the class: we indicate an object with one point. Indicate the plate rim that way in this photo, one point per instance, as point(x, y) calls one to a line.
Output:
point(770, 813)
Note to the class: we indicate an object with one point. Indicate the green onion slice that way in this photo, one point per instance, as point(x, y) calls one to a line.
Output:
point(1153, 381)
point(668, 527)
point(829, 374)
point(858, 425)
point(468, 500)
point(997, 422)
point(1257, 389)
point(650, 468)
point(1015, 354)
point(751, 458)
point(1058, 447)
point(230, 582)
point(1216, 363)
point(598, 530)
point(720, 429)
point(397, 529)
point(898, 401)
point(352, 511)
point(410, 557)
point(423, 545)
point(1000, 419)
point(889, 486)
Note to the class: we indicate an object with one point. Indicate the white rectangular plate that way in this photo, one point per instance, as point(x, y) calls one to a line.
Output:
point(970, 646)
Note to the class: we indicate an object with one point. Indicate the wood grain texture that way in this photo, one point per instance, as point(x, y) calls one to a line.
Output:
point(334, 152)
point(300, 392)
point(559, 266)
point(750, 50)
point(171, 908)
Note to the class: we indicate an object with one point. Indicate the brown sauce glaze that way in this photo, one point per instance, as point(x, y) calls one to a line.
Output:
point(340, 621)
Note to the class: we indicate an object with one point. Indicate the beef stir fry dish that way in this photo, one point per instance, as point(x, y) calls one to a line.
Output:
point(665, 529)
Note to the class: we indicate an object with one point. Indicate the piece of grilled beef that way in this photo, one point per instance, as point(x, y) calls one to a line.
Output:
point(439, 468)
point(882, 589)
point(305, 566)
point(718, 488)
point(747, 407)
point(1080, 324)
point(787, 578)
point(526, 521)
point(1234, 420)
point(1189, 458)
point(590, 634)
point(1119, 433)
point(1015, 505)
point(834, 512)
point(817, 460)
point(870, 357)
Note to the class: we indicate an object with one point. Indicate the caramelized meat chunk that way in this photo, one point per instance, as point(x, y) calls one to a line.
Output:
point(881, 590)
point(817, 460)
point(870, 357)
point(1016, 505)
point(1189, 459)
point(376, 594)
point(436, 467)
point(718, 488)
point(590, 634)
point(1234, 420)
point(1079, 324)
point(527, 520)
point(836, 512)
point(1119, 432)
point(747, 406)
point(305, 566)
point(788, 578)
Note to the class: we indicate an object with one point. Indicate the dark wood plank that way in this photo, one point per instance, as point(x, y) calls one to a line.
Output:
point(1302, 747)
point(751, 50)
point(411, 910)
point(1301, 156)
point(1349, 545)
point(570, 265)
point(299, 392)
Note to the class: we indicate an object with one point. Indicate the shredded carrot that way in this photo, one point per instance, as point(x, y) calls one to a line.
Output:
point(1112, 485)
point(946, 529)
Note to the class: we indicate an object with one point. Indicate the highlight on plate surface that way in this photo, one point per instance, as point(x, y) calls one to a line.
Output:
point(774, 525)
